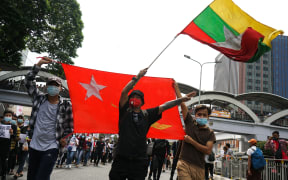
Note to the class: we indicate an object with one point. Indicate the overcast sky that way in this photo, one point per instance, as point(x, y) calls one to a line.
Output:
point(126, 36)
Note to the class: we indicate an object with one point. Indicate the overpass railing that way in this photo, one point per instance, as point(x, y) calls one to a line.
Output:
point(237, 169)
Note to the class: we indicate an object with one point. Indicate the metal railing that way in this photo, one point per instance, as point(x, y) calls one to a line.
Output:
point(237, 169)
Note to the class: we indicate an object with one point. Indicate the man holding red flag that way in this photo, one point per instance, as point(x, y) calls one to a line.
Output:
point(130, 159)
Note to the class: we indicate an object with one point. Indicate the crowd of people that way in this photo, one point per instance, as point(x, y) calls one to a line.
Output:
point(49, 138)
point(79, 149)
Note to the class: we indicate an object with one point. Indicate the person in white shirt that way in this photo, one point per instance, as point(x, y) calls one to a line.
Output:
point(71, 150)
point(251, 173)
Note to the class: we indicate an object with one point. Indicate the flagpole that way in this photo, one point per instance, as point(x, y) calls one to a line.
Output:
point(162, 52)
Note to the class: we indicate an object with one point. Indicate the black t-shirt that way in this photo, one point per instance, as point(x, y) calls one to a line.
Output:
point(133, 128)
point(100, 146)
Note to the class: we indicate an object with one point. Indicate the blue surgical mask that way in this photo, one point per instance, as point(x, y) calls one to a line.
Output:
point(201, 121)
point(52, 90)
point(13, 122)
point(7, 119)
point(20, 121)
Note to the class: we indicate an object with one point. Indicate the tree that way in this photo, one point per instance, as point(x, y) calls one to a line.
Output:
point(51, 26)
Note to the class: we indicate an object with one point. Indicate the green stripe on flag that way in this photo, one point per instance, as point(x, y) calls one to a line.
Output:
point(262, 48)
point(212, 25)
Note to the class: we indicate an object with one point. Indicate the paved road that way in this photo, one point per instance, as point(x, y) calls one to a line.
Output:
point(85, 173)
point(92, 173)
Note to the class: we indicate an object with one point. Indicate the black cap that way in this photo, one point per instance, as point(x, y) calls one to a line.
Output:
point(139, 93)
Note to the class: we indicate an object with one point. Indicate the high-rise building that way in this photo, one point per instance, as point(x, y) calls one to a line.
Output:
point(280, 65)
point(244, 78)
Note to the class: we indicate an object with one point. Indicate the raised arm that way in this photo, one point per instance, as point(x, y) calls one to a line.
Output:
point(30, 77)
point(183, 106)
point(130, 85)
point(176, 102)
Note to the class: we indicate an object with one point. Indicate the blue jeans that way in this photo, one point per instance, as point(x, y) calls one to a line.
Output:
point(70, 155)
point(41, 164)
point(79, 155)
point(87, 155)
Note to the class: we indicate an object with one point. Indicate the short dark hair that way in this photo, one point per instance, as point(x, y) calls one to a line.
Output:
point(202, 106)
point(7, 111)
point(275, 132)
point(228, 145)
point(20, 117)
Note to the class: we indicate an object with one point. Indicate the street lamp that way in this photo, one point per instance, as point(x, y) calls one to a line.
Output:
point(201, 65)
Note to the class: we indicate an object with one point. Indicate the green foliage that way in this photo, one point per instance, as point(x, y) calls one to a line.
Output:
point(42, 26)
point(261, 144)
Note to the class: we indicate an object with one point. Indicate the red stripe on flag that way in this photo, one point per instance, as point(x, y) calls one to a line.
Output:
point(196, 33)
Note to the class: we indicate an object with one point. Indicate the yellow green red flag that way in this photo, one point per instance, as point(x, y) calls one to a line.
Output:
point(226, 28)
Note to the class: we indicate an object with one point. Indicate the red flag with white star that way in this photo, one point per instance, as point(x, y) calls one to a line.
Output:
point(95, 99)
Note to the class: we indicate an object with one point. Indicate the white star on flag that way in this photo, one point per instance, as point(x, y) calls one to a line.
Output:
point(93, 89)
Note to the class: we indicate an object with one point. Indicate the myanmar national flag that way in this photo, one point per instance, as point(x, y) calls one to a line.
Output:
point(228, 29)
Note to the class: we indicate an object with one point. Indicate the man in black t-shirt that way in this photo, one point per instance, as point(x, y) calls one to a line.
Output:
point(99, 151)
point(131, 160)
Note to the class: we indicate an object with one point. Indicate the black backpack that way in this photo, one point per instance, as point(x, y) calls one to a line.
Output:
point(211, 157)
point(278, 153)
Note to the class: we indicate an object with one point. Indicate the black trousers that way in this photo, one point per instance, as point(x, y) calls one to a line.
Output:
point(4, 153)
point(158, 161)
point(131, 169)
point(41, 164)
point(97, 157)
point(174, 165)
point(12, 159)
point(208, 168)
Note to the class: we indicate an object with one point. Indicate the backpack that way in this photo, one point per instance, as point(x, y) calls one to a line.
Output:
point(211, 157)
point(278, 153)
point(257, 159)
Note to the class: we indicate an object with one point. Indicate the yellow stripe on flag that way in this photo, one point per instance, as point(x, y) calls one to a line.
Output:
point(240, 21)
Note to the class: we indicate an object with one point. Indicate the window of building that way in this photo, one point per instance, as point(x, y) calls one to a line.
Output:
point(250, 73)
point(265, 82)
point(265, 68)
point(249, 80)
point(257, 81)
point(265, 62)
point(257, 74)
point(265, 89)
point(257, 88)
point(257, 67)
point(265, 75)
point(249, 87)
point(250, 66)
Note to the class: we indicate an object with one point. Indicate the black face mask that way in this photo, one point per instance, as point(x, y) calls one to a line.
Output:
point(275, 138)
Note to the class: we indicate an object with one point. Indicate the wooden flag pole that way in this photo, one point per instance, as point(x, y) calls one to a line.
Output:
point(162, 52)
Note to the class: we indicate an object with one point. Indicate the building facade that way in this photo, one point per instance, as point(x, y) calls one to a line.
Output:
point(280, 65)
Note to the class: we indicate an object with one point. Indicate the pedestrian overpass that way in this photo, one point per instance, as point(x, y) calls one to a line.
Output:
point(249, 125)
